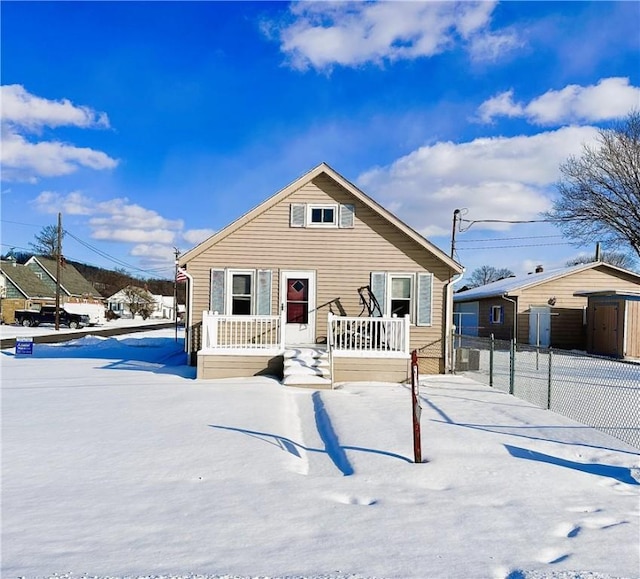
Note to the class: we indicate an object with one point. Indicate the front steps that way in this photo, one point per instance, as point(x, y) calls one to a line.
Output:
point(307, 367)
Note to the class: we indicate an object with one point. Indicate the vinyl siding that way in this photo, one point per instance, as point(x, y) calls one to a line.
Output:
point(342, 258)
point(370, 369)
point(221, 366)
point(633, 329)
point(567, 328)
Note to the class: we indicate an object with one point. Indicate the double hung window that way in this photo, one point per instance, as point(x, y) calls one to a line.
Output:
point(241, 293)
point(401, 294)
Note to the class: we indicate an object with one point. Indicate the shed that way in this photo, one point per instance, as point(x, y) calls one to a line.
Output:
point(613, 323)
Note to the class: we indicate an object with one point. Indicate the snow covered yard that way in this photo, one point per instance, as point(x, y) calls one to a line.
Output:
point(117, 463)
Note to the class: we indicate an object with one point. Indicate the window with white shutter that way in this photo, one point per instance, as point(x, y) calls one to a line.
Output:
point(297, 214)
point(217, 301)
point(347, 216)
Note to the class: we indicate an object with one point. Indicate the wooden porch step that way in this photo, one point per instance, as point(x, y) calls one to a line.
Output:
point(307, 367)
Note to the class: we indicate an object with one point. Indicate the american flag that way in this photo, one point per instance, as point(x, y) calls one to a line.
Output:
point(181, 275)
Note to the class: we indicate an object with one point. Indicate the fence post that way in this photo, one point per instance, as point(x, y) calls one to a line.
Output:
point(416, 408)
point(549, 380)
point(491, 349)
point(512, 366)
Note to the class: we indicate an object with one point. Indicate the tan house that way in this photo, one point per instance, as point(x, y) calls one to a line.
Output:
point(545, 308)
point(321, 284)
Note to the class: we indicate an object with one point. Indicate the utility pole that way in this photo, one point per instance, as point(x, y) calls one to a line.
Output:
point(58, 269)
point(453, 232)
point(176, 252)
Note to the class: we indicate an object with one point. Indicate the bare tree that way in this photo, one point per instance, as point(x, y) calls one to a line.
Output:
point(486, 274)
point(47, 241)
point(617, 258)
point(600, 190)
point(138, 301)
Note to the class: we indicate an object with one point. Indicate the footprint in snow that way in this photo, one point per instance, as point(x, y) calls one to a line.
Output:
point(353, 500)
point(551, 556)
point(568, 530)
point(583, 509)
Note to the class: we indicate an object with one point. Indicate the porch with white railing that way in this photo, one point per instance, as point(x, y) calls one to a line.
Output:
point(242, 334)
point(368, 337)
point(346, 336)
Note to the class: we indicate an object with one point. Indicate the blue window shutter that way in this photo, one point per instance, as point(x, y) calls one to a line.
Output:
point(263, 293)
point(501, 315)
point(297, 215)
point(217, 291)
point(379, 289)
point(347, 216)
point(425, 294)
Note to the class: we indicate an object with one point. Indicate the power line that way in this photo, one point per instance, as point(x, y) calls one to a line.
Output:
point(114, 259)
point(507, 238)
point(510, 246)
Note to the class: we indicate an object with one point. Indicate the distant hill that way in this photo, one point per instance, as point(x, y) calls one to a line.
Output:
point(108, 282)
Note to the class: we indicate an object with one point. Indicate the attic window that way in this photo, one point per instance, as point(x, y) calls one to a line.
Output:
point(322, 215)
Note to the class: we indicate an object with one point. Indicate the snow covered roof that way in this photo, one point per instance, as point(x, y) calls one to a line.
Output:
point(513, 284)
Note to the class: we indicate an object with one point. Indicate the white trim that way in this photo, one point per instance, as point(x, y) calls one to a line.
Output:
point(413, 302)
point(311, 299)
point(369, 354)
point(241, 352)
point(312, 206)
point(492, 319)
point(228, 298)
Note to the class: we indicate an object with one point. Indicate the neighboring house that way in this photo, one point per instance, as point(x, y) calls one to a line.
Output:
point(162, 306)
point(541, 308)
point(269, 284)
point(613, 323)
point(73, 286)
point(20, 289)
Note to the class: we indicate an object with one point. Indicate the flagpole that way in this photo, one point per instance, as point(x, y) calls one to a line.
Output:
point(175, 292)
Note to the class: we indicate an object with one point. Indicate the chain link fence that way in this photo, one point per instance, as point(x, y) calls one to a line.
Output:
point(599, 392)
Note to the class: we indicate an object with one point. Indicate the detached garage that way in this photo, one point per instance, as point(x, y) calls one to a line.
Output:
point(613, 323)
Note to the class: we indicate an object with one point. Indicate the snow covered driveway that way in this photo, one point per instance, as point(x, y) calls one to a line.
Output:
point(117, 463)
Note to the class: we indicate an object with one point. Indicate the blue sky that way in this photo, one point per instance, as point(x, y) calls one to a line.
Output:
point(150, 125)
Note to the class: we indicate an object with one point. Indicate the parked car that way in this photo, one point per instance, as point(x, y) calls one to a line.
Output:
point(47, 315)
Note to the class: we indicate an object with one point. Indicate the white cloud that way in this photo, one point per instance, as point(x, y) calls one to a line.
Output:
point(610, 98)
point(494, 178)
point(23, 160)
point(74, 203)
point(133, 235)
point(20, 108)
point(114, 220)
point(154, 253)
point(196, 236)
point(322, 34)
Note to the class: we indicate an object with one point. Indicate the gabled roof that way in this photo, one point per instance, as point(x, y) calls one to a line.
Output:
point(25, 280)
point(323, 168)
point(71, 280)
point(510, 285)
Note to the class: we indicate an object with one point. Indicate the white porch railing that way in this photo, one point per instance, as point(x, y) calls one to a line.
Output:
point(348, 336)
point(257, 333)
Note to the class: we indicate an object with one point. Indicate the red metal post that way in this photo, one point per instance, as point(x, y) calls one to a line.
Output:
point(416, 408)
